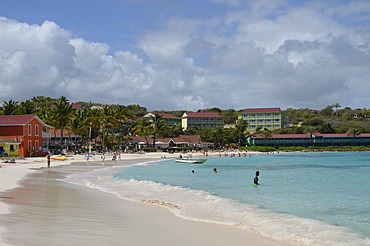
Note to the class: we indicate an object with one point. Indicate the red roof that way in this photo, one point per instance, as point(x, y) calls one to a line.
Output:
point(339, 135)
point(202, 114)
point(284, 136)
point(169, 116)
point(181, 139)
point(19, 120)
point(262, 110)
point(76, 106)
point(329, 135)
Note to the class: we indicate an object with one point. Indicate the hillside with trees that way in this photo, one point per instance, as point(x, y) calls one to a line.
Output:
point(115, 124)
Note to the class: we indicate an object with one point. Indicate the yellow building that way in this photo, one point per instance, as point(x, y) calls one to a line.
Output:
point(261, 118)
point(9, 147)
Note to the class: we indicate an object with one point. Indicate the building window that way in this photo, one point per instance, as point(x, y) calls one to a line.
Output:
point(37, 146)
point(36, 130)
point(29, 130)
point(29, 145)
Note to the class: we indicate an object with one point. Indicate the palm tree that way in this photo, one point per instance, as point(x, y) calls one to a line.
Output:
point(10, 107)
point(157, 126)
point(353, 132)
point(310, 130)
point(121, 113)
point(78, 123)
point(218, 137)
point(26, 107)
point(266, 133)
point(238, 131)
point(327, 128)
point(336, 106)
point(107, 121)
point(62, 113)
point(143, 128)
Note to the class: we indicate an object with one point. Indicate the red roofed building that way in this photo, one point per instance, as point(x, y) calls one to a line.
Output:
point(192, 141)
point(316, 139)
point(29, 130)
point(202, 120)
point(270, 118)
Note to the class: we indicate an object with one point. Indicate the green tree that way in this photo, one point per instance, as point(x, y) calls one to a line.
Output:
point(26, 107)
point(10, 107)
point(353, 132)
point(218, 137)
point(158, 126)
point(143, 128)
point(171, 131)
point(62, 114)
point(79, 124)
point(336, 106)
point(239, 132)
point(266, 133)
point(327, 128)
point(230, 116)
point(310, 131)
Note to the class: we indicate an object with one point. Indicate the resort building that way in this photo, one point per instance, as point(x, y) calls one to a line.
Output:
point(69, 142)
point(261, 118)
point(169, 119)
point(202, 120)
point(315, 139)
point(29, 135)
point(174, 144)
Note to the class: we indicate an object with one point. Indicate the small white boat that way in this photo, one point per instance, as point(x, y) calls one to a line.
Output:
point(187, 159)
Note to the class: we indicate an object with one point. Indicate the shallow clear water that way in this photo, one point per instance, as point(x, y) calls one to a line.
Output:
point(312, 198)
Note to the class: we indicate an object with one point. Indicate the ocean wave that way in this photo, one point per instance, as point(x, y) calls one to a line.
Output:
point(203, 206)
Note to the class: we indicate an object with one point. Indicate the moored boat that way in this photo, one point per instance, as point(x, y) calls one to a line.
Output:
point(191, 160)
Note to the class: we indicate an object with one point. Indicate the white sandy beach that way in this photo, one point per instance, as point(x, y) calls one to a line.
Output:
point(125, 222)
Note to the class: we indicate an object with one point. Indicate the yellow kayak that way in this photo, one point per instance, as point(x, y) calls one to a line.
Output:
point(58, 157)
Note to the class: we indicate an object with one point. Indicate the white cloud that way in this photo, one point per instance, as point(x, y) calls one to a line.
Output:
point(256, 54)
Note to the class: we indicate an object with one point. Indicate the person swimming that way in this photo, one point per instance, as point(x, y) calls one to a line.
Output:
point(255, 180)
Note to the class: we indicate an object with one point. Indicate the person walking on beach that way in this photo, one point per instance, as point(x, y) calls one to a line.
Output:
point(255, 180)
point(48, 159)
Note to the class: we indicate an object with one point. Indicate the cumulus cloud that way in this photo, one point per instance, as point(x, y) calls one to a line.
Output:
point(256, 54)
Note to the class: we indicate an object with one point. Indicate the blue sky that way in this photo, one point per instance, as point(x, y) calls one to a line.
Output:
point(189, 54)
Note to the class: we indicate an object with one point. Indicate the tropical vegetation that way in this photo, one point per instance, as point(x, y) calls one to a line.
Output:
point(116, 124)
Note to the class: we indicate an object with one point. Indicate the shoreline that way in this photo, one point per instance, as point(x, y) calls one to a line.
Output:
point(20, 172)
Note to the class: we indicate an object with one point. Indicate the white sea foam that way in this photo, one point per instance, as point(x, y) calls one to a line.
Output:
point(202, 206)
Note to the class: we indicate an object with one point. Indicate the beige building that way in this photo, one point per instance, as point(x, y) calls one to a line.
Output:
point(202, 120)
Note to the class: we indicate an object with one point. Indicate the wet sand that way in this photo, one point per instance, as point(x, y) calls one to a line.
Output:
point(47, 211)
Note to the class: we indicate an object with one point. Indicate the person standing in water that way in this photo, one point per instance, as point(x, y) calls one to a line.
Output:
point(255, 180)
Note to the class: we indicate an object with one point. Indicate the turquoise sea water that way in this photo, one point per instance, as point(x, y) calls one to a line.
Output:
point(309, 198)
